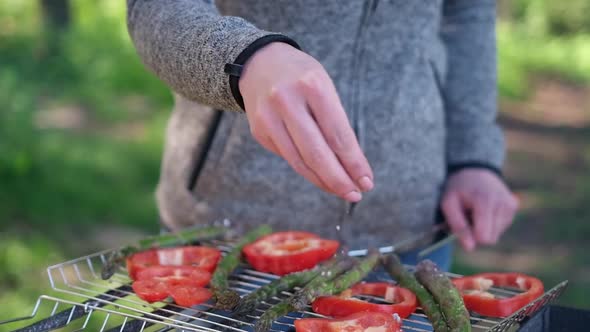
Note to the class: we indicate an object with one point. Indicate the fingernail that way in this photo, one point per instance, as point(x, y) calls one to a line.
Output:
point(353, 196)
point(365, 183)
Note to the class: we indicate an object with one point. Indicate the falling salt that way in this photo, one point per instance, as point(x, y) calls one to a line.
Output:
point(338, 227)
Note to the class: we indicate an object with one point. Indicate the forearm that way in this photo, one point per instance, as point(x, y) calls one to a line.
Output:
point(470, 90)
point(186, 43)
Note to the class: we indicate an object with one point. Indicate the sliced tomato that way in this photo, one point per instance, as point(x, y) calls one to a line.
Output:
point(188, 296)
point(176, 275)
point(150, 290)
point(199, 256)
point(359, 322)
point(285, 252)
point(403, 301)
point(474, 290)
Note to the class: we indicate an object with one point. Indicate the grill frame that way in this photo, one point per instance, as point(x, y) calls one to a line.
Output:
point(80, 280)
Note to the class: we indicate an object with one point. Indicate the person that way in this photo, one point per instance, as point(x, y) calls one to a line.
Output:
point(390, 104)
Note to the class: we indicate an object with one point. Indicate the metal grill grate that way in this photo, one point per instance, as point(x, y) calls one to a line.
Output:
point(110, 305)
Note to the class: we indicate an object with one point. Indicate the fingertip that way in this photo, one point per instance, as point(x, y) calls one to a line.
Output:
point(486, 238)
point(353, 196)
point(469, 244)
point(365, 183)
point(467, 240)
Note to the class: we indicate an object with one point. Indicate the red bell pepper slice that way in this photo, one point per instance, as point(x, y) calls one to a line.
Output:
point(285, 252)
point(150, 290)
point(403, 301)
point(188, 296)
point(176, 275)
point(203, 257)
point(359, 322)
point(153, 290)
point(474, 290)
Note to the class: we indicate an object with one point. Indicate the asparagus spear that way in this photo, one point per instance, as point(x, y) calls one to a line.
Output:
point(117, 257)
point(298, 279)
point(445, 294)
point(286, 306)
point(224, 297)
point(325, 284)
point(337, 285)
point(287, 282)
point(406, 279)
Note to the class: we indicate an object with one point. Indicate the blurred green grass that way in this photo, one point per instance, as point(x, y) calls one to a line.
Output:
point(62, 184)
point(522, 57)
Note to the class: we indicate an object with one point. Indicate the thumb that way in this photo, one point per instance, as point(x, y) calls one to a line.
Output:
point(456, 217)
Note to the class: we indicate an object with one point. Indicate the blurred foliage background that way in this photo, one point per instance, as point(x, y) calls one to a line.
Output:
point(81, 132)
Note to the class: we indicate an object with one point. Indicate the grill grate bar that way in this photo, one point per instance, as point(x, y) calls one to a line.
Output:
point(114, 297)
point(248, 280)
point(124, 298)
point(133, 325)
point(54, 308)
point(88, 315)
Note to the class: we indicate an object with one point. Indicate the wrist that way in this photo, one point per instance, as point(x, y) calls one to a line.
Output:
point(235, 70)
point(261, 58)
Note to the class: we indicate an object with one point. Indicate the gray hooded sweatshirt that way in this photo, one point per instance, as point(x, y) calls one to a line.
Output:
point(416, 77)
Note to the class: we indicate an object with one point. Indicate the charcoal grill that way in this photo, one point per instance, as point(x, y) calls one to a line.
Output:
point(85, 301)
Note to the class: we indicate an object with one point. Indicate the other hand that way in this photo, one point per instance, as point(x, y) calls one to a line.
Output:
point(294, 111)
point(478, 207)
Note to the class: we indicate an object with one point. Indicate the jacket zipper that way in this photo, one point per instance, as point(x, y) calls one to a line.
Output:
point(369, 8)
point(206, 146)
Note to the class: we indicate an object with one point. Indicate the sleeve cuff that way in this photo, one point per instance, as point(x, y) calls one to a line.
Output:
point(454, 168)
point(234, 70)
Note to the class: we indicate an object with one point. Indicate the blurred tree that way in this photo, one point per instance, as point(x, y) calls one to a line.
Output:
point(542, 17)
point(56, 18)
point(56, 13)
point(569, 17)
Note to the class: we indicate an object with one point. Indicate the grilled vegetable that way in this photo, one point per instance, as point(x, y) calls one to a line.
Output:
point(362, 321)
point(225, 298)
point(341, 283)
point(205, 258)
point(326, 275)
point(285, 252)
point(151, 290)
point(288, 282)
point(188, 296)
point(328, 283)
point(402, 301)
point(406, 279)
point(474, 290)
point(185, 290)
point(116, 258)
point(155, 283)
point(176, 275)
point(445, 294)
